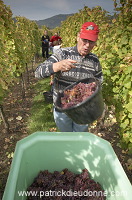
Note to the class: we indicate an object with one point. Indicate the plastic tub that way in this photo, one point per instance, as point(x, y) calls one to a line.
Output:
point(75, 151)
point(87, 111)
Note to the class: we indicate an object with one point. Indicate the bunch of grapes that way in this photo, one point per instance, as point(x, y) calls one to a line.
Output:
point(77, 94)
point(66, 181)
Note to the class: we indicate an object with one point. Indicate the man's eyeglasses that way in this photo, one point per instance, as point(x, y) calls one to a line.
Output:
point(85, 41)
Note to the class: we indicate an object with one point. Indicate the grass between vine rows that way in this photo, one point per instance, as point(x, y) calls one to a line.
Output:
point(41, 118)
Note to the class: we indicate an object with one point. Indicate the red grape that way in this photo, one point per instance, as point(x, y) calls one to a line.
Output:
point(66, 181)
point(77, 94)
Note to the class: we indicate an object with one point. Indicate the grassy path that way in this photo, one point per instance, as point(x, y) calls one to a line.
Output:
point(41, 112)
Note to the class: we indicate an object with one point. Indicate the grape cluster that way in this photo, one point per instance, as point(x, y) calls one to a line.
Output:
point(77, 94)
point(66, 181)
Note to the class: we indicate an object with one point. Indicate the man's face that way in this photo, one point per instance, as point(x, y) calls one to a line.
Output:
point(45, 32)
point(84, 46)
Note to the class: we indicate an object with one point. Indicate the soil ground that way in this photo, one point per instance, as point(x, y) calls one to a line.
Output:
point(17, 111)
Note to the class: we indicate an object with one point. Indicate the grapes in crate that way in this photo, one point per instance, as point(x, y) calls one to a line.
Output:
point(77, 94)
point(65, 185)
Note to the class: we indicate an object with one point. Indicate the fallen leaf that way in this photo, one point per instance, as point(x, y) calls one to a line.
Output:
point(118, 145)
point(19, 118)
point(10, 119)
point(5, 147)
point(123, 151)
point(129, 161)
point(100, 134)
point(7, 140)
point(52, 129)
point(111, 116)
point(10, 155)
point(113, 120)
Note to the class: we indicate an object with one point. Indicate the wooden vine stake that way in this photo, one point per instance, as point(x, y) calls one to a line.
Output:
point(23, 86)
point(6, 124)
point(27, 73)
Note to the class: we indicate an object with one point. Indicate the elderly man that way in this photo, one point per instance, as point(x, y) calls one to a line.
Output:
point(66, 70)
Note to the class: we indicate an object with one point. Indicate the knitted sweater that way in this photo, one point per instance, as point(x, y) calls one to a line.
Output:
point(86, 67)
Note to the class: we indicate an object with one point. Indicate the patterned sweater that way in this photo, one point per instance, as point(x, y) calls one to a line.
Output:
point(86, 67)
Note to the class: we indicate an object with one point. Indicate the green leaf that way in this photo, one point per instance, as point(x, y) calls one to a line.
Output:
point(115, 89)
point(124, 40)
point(115, 77)
point(130, 42)
point(129, 107)
point(127, 85)
point(129, 69)
point(124, 50)
point(118, 31)
point(130, 115)
point(130, 92)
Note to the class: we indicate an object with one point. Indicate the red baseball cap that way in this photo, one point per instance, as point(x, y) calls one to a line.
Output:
point(89, 31)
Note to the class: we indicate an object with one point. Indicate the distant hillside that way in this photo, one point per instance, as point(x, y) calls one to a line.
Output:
point(54, 21)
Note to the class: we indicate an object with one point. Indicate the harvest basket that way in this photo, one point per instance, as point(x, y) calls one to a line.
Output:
point(87, 111)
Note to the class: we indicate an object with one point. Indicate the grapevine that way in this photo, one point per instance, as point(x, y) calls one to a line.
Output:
point(20, 41)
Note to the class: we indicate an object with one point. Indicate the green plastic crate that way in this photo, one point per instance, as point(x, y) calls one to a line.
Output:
point(75, 151)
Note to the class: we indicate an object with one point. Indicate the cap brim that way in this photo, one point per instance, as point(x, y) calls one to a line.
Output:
point(88, 36)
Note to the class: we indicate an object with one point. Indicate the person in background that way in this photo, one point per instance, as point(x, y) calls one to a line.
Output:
point(45, 45)
point(55, 37)
point(69, 65)
point(56, 45)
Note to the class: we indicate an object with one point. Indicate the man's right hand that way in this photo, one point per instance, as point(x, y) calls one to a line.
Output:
point(64, 65)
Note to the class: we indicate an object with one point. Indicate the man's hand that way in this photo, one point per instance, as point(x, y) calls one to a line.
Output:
point(64, 65)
